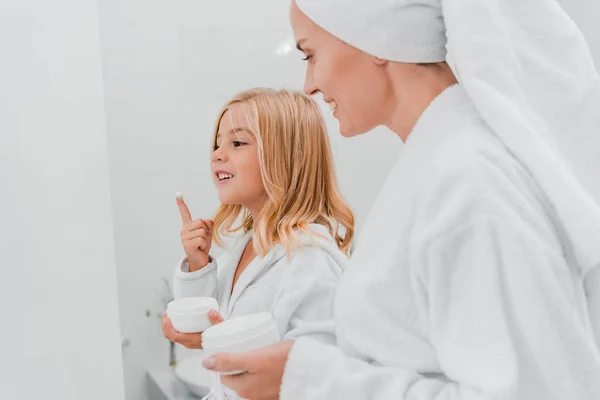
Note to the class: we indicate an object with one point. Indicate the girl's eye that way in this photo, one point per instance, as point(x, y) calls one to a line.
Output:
point(237, 143)
point(307, 58)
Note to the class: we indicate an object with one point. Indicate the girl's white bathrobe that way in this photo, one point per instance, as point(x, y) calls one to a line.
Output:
point(462, 286)
point(299, 293)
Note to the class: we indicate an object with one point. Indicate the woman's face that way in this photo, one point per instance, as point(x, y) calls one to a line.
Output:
point(354, 84)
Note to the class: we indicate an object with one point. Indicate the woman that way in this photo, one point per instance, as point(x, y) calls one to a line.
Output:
point(470, 278)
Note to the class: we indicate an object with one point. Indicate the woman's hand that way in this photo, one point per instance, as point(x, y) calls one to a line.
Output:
point(187, 340)
point(264, 367)
point(196, 237)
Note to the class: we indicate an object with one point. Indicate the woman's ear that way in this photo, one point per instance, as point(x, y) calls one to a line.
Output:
point(379, 61)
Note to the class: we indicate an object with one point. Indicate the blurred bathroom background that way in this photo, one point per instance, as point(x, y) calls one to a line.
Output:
point(113, 103)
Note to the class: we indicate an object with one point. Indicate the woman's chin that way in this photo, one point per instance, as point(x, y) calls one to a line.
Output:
point(349, 131)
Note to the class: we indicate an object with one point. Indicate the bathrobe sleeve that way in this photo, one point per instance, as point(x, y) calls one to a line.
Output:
point(305, 305)
point(498, 314)
point(201, 283)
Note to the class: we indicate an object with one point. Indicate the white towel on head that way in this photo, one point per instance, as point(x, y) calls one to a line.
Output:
point(398, 30)
point(528, 70)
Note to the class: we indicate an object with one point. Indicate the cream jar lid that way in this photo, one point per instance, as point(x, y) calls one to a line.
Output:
point(188, 305)
point(239, 329)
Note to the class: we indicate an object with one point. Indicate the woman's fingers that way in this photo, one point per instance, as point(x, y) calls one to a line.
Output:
point(264, 370)
point(229, 362)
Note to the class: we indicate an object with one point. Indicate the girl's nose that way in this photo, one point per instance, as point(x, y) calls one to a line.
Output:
point(219, 155)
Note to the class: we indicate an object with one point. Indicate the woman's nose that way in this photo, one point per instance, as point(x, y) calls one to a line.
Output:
point(309, 84)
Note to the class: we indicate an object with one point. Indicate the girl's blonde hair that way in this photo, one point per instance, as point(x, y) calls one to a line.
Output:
point(297, 171)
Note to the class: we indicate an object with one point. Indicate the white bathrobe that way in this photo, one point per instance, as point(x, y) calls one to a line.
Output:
point(461, 286)
point(299, 293)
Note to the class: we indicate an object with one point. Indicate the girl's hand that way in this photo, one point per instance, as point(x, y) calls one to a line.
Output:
point(187, 340)
point(196, 237)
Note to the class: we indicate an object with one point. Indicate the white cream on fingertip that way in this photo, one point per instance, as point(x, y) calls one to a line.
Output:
point(179, 195)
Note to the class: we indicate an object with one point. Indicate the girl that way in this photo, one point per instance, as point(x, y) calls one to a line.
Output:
point(273, 168)
point(482, 247)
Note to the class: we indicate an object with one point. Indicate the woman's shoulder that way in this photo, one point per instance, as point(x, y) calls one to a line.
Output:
point(474, 159)
point(472, 174)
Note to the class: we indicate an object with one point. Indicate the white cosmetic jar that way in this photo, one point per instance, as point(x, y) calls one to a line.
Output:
point(190, 314)
point(239, 335)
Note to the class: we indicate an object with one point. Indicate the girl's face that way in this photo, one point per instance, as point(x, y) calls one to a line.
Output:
point(353, 83)
point(235, 163)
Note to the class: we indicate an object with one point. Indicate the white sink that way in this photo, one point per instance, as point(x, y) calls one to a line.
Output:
point(194, 376)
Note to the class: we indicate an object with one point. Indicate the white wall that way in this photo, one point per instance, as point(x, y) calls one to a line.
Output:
point(168, 67)
point(60, 337)
point(140, 46)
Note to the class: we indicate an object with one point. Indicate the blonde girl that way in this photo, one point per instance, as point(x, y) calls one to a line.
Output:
point(274, 172)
